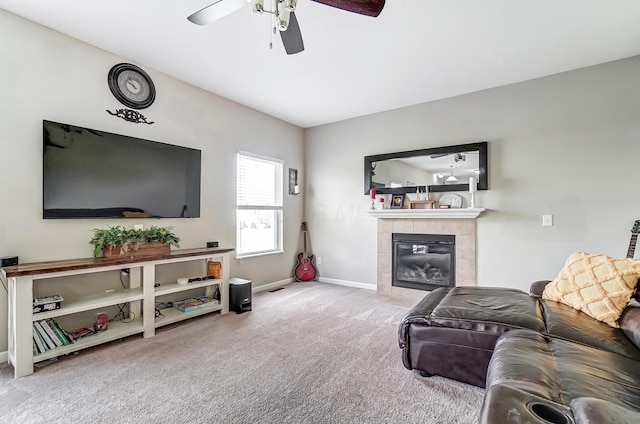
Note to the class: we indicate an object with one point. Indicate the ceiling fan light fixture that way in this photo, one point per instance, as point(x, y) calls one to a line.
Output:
point(258, 6)
point(282, 16)
point(291, 5)
point(451, 178)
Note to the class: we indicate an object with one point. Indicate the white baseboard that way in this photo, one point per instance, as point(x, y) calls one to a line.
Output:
point(4, 357)
point(355, 284)
point(270, 286)
point(347, 283)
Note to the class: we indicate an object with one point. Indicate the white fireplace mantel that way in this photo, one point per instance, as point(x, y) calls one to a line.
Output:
point(452, 213)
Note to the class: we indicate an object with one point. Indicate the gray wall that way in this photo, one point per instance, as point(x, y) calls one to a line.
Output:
point(45, 75)
point(567, 145)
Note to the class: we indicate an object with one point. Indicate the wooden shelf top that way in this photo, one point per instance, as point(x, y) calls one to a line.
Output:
point(36, 268)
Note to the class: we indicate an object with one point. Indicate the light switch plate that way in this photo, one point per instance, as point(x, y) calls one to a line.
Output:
point(547, 220)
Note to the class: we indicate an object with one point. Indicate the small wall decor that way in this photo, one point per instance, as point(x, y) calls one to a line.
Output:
point(294, 188)
point(130, 116)
point(397, 201)
point(131, 85)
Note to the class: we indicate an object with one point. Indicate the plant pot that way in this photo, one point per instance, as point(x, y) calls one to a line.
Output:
point(136, 249)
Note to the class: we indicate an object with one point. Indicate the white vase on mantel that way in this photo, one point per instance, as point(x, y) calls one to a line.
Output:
point(473, 188)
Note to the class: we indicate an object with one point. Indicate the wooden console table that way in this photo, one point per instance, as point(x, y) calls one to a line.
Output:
point(141, 295)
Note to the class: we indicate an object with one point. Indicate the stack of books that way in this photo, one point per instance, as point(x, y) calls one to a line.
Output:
point(48, 335)
point(188, 305)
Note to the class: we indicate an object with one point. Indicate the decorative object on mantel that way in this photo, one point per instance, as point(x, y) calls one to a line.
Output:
point(428, 204)
point(130, 116)
point(397, 201)
point(450, 200)
point(473, 187)
point(118, 241)
point(381, 204)
point(372, 193)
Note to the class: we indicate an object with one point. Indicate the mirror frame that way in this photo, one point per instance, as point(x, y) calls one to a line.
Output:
point(483, 180)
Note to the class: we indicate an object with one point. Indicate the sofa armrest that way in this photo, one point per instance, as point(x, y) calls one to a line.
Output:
point(420, 314)
point(587, 410)
point(537, 287)
point(630, 324)
point(506, 404)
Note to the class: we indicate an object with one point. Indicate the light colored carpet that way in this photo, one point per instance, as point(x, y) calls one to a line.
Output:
point(310, 353)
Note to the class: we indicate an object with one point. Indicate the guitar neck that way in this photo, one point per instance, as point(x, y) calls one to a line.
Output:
point(305, 243)
point(632, 246)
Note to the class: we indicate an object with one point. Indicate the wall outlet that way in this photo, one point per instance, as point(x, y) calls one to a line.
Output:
point(138, 227)
point(319, 260)
point(547, 220)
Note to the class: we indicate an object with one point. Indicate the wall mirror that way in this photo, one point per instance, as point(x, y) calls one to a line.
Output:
point(437, 169)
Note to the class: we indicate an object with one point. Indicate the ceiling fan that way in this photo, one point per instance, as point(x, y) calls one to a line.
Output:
point(458, 157)
point(284, 17)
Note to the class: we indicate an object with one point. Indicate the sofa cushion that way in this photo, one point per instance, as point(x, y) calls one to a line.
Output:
point(592, 410)
point(567, 323)
point(561, 370)
point(597, 285)
point(487, 309)
point(522, 359)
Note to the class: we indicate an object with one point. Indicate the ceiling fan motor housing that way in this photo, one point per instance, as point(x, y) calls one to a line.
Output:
point(283, 15)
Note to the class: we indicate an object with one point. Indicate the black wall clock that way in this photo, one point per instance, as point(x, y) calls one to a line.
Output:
point(131, 86)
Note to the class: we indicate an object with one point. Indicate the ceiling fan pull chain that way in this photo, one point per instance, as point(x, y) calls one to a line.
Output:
point(273, 27)
point(273, 31)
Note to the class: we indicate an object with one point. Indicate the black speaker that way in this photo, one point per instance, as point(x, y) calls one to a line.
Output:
point(8, 261)
point(239, 295)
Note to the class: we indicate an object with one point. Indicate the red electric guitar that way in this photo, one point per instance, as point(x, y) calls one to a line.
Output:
point(304, 270)
point(634, 239)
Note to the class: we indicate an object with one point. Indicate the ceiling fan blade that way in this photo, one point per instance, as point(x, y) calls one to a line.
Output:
point(363, 7)
point(292, 37)
point(215, 11)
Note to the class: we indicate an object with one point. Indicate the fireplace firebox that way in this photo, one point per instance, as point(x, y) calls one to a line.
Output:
point(423, 261)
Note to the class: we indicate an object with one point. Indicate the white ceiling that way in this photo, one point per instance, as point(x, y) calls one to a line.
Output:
point(416, 50)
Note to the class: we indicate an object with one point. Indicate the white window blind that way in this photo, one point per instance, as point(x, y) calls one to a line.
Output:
point(259, 181)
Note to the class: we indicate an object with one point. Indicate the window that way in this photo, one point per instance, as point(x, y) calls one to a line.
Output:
point(258, 205)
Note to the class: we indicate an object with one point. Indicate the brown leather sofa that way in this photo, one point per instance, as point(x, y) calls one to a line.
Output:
point(540, 361)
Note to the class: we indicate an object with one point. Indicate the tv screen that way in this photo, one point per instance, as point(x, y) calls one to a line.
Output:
point(96, 174)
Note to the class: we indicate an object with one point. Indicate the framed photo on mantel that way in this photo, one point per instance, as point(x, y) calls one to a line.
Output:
point(397, 201)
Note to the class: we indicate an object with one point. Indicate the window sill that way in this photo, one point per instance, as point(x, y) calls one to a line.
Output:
point(253, 255)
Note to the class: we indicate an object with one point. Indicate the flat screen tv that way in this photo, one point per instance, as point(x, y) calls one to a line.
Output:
point(96, 174)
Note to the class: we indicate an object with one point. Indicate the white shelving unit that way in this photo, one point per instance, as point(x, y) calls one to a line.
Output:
point(141, 289)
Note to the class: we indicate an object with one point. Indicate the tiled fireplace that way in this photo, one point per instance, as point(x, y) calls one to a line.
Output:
point(461, 224)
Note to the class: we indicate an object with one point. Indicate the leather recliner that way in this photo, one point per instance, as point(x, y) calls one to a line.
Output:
point(541, 361)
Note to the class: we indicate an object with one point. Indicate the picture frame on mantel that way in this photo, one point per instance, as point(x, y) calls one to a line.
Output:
point(397, 201)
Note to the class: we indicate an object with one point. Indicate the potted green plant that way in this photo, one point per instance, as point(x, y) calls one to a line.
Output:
point(118, 241)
